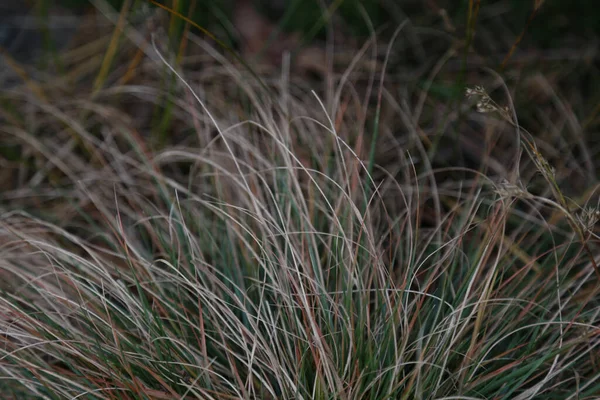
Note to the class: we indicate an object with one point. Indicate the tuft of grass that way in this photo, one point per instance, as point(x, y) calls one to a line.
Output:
point(269, 249)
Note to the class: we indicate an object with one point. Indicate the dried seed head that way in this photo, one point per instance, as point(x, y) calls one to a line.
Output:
point(475, 91)
point(484, 104)
point(588, 217)
point(507, 190)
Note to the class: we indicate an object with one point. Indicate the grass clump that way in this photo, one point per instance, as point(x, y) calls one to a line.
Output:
point(262, 250)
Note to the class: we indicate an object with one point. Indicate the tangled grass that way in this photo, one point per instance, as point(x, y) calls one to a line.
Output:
point(267, 247)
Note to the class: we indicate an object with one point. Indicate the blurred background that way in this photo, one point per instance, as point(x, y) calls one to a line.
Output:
point(28, 26)
point(545, 51)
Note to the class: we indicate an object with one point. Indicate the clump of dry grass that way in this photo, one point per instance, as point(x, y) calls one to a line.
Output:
point(261, 251)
